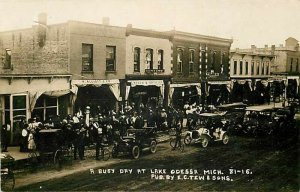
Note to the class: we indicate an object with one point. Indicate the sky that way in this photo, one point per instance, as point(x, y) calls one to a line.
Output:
point(247, 22)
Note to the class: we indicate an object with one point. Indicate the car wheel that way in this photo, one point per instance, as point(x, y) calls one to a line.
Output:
point(204, 141)
point(135, 152)
point(187, 139)
point(153, 146)
point(225, 139)
point(172, 142)
point(114, 152)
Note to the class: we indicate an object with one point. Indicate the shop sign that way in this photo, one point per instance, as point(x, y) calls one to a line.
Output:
point(146, 83)
point(94, 82)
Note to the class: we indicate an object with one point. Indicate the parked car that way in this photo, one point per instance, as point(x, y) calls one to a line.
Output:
point(135, 142)
point(210, 129)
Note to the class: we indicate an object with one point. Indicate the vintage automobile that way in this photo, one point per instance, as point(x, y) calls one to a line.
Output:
point(233, 115)
point(260, 120)
point(209, 129)
point(136, 141)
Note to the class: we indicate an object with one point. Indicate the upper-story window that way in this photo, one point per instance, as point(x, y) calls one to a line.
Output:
point(110, 58)
point(87, 57)
point(191, 61)
point(252, 68)
point(241, 67)
point(160, 59)
point(263, 68)
point(136, 59)
point(257, 67)
point(223, 62)
point(213, 62)
point(234, 67)
point(291, 66)
point(7, 61)
point(246, 68)
point(149, 58)
point(179, 60)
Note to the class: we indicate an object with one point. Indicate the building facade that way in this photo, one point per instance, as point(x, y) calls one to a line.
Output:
point(34, 75)
point(202, 60)
point(148, 67)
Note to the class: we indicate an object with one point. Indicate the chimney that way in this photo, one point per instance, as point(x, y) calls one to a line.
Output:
point(273, 49)
point(253, 46)
point(105, 20)
point(42, 18)
point(266, 46)
point(42, 29)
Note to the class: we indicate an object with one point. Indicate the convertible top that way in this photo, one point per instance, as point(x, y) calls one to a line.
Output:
point(262, 108)
point(209, 115)
point(232, 105)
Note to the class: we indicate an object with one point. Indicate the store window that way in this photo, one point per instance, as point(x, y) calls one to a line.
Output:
point(179, 60)
point(263, 68)
point(252, 68)
point(110, 58)
point(246, 68)
point(234, 67)
point(87, 57)
point(191, 61)
point(149, 58)
point(7, 61)
point(160, 60)
point(136, 60)
point(45, 107)
point(267, 68)
point(257, 67)
point(241, 67)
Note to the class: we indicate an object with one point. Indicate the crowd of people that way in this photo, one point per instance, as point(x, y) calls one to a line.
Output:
point(82, 129)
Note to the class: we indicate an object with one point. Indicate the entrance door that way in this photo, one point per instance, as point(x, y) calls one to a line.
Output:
point(15, 110)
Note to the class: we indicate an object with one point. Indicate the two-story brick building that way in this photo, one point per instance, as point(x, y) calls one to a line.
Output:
point(34, 75)
point(199, 65)
point(148, 66)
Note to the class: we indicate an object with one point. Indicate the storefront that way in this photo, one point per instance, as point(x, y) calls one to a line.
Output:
point(242, 91)
point(217, 92)
point(180, 94)
point(23, 97)
point(101, 95)
point(148, 93)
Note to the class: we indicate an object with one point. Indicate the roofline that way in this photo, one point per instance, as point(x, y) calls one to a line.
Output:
point(187, 34)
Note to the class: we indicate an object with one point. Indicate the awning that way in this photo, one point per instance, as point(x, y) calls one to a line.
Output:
point(133, 83)
point(218, 82)
point(185, 85)
point(33, 96)
point(114, 86)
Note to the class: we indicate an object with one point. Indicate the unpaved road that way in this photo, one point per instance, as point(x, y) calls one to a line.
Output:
point(273, 168)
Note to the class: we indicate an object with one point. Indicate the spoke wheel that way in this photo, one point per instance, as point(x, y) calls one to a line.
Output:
point(187, 139)
point(172, 142)
point(225, 139)
point(153, 146)
point(105, 154)
point(204, 141)
point(136, 152)
point(7, 181)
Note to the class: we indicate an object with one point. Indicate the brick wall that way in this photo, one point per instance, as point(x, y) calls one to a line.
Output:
point(28, 56)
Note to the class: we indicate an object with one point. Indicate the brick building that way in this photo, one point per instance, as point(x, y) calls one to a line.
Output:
point(199, 65)
point(148, 66)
